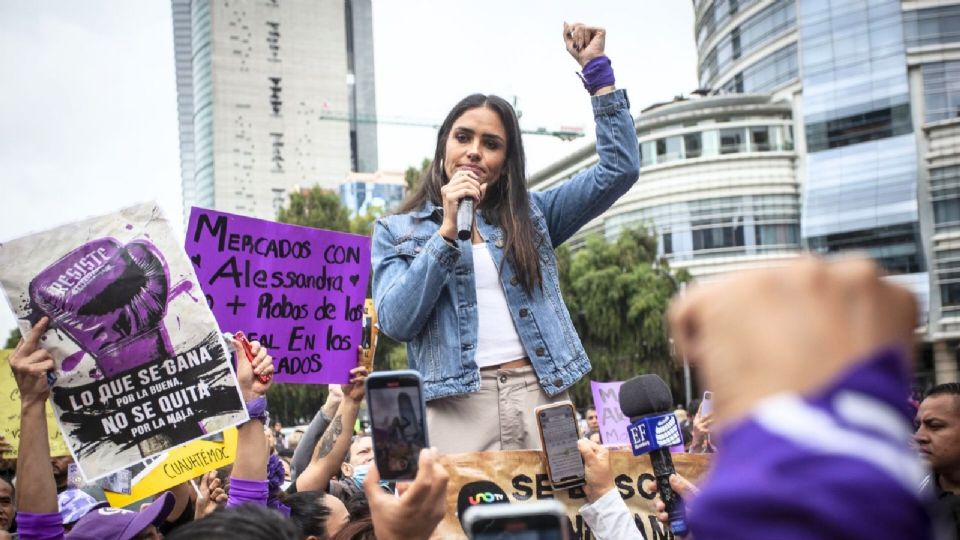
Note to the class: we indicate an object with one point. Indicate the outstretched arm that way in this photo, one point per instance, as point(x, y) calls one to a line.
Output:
point(333, 446)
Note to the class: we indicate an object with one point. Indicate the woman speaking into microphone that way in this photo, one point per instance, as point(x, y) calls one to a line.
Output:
point(482, 316)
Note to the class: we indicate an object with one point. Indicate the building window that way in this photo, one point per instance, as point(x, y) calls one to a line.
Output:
point(732, 141)
point(950, 294)
point(760, 139)
point(765, 26)
point(932, 26)
point(858, 128)
point(691, 145)
point(648, 153)
point(945, 196)
point(941, 90)
point(717, 237)
point(667, 243)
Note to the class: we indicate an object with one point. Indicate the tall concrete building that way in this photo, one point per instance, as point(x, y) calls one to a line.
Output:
point(269, 96)
point(868, 93)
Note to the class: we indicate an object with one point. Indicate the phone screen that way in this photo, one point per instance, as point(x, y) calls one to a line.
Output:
point(397, 424)
point(558, 426)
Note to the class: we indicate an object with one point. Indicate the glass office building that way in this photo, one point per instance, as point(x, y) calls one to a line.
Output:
point(870, 128)
point(268, 97)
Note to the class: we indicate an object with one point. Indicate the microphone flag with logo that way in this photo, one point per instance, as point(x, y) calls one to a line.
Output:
point(647, 400)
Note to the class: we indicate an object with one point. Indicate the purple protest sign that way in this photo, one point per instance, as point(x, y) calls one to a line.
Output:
point(299, 291)
point(613, 424)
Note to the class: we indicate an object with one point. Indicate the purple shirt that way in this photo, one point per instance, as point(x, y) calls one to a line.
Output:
point(836, 464)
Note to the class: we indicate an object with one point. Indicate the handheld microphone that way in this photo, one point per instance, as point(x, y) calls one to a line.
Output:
point(465, 219)
point(647, 400)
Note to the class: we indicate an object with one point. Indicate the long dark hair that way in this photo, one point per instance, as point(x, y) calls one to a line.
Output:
point(506, 203)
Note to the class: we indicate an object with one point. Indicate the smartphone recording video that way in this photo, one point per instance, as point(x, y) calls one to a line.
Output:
point(559, 434)
point(398, 424)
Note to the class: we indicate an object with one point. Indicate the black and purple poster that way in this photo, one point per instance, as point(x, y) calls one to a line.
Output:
point(141, 364)
point(299, 291)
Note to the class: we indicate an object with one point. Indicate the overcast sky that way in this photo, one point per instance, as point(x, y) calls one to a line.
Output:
point(88, 119)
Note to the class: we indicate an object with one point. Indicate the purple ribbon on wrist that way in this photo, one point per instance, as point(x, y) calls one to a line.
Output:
point(597, 74)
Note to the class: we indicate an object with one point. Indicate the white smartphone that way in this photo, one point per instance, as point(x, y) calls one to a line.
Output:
point(706, 405)
point(559, 433)
point(541, 520)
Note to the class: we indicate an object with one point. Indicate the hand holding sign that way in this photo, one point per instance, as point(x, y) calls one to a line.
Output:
point(30, 365)
point(248, 373)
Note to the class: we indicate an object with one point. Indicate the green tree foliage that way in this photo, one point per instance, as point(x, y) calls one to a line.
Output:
point(412, 176)
point(13, 339)
point(316, 207)
point(617, 294)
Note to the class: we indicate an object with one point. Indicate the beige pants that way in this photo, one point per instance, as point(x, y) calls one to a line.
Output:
point(498, 417)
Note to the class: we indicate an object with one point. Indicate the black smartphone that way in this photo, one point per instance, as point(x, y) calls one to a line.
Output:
point(397, 422)
point(541, 520)
point(558, 435)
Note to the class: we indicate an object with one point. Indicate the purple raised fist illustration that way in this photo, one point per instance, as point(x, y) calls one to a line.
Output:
point(110, 299)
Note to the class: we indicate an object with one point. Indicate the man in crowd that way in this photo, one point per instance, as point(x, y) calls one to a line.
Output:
point(7, 510)
point(938, 439)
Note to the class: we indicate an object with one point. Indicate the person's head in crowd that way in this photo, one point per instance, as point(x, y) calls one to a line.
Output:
point(317, 515)
point(7, 510)
point(74, 504)
point(357, 461)
point(294, 439)
point(244, 522)
point(359, 529)
point(271, 440)
point(61, 469)
point(938, 430)
point(593, 423)
point(277, 426)
point(119, 524)
point(681, 415)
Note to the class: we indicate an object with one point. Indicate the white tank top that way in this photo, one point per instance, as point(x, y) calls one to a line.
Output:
point(497, 338)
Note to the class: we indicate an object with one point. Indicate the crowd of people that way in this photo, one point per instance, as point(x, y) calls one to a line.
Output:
point(809, 366)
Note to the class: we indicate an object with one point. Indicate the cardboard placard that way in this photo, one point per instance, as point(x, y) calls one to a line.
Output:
point(299, 291)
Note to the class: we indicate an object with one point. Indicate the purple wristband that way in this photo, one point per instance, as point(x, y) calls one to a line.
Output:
point(597, 74)
point(40, 526)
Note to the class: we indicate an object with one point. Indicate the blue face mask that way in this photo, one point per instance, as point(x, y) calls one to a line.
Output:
point(360, 473)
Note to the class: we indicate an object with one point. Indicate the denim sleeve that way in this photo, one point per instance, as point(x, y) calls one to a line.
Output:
point(571, 205)
point(406, 290)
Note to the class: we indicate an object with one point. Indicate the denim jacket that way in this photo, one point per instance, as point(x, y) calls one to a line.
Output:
point(424, 289)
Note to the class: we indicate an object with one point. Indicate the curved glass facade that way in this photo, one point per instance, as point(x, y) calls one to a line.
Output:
point(775, 70)
point(203, 105)
point(770, 23)
point(707, 228)
point(861, 185)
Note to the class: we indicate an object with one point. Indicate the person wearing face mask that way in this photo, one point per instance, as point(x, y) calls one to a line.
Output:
point(354, 469)
point(481, 313)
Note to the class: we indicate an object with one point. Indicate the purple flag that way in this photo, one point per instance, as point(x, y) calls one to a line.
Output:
point(297, 290)
point(613, 424)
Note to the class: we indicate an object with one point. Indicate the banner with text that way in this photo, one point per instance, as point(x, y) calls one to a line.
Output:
point(613, 424)
point(10, 417)
point(177, 466)
point(520, 476)
point(299, 291)
point(141, 364)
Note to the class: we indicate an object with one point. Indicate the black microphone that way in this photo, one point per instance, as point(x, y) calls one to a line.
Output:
point(465, 218)
point(643, 397)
